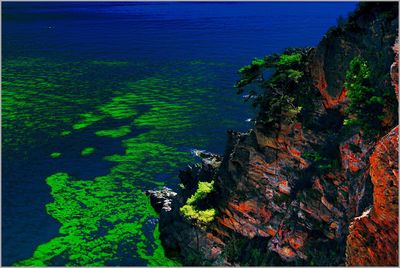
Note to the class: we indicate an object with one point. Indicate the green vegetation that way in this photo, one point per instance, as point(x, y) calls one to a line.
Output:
point(204, 188)
point(55, 155)
point(281, 97)
point(87, 119)
point(115, 133)
point(65, 133)
point(366, 103)
point(290, 59)
point(81, 234)
point(87, 151)
point(190, 211)
point(202, 217)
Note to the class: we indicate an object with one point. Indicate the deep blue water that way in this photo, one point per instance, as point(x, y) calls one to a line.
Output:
point(181, 42)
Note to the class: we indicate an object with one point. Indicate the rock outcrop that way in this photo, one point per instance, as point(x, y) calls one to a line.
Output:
point(373, 236)
point(287, 194)
point(161, 199)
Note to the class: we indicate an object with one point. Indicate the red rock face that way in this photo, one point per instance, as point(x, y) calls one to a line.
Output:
point(263, 214)
point(318, 74)
point(373, 237)
point(261, 204)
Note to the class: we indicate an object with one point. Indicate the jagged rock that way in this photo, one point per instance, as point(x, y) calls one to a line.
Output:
point(207, 158)
point(355, 154)
point(161, 199)
point(373, 237)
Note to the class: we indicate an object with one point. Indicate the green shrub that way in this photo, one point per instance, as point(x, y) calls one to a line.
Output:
point(365, 102)
point(202, 217)
point(294, 75)
point(202, 191)
point(290, 59)
point(190, 211)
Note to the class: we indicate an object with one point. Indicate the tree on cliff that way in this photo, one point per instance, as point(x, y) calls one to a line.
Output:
point(275, 96)
point(366, 102)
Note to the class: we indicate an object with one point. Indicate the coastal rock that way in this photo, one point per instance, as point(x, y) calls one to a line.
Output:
point(355, 154)
point(161, 199)
point(373, 237)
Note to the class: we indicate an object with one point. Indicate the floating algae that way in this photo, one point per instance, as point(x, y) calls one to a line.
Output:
point(87, 151)
point(55, 155)
point(82, 207)
point(114, 133)
point(65, 133)
point(87, 120)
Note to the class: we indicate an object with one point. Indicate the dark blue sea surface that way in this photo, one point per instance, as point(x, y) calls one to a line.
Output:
point(141, 83)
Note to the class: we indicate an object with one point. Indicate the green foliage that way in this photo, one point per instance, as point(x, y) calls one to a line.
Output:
point(278, 96)
point(366, 102)
point(190, 211)
point(202, 191)
point(294, 75)
point(201, 217)
point(290, 59)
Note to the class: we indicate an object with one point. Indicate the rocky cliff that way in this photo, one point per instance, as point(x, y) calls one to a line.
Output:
point(304, 191)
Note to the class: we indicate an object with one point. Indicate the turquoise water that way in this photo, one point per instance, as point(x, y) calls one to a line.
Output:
point(101, 102)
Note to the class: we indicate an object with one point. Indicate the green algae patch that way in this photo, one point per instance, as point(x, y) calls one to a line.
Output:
point(87, 209)
point(65, 133)
point(114, 133)
point(120, 107)
point(99, 215)
point(87, 119)
point(87, 151)
point(55, 155)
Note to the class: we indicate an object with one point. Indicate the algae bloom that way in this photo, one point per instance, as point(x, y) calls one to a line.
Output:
point(87, 151)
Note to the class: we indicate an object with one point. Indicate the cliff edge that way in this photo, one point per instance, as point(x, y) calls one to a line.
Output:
point(315, 182)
